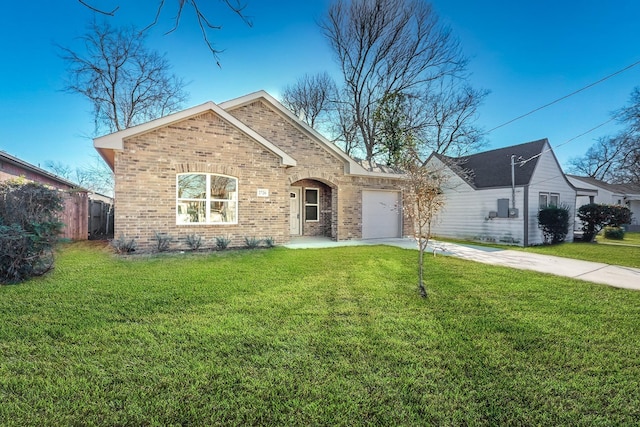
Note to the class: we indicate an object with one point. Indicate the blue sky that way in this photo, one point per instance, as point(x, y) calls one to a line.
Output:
point(527, 53)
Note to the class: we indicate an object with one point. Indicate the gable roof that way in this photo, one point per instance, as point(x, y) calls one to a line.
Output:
point(352, 166)
point(622, 189)
point(8, 158)
point(106, 145)
point(492, 168)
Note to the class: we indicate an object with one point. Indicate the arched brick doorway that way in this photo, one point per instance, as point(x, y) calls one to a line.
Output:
point(313, 212)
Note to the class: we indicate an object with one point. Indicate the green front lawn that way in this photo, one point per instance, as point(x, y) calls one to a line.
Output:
point(615, 254)
point(628, 256)
point(313, 337)
point(629, 239)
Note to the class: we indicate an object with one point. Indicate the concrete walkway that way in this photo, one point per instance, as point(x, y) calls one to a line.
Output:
point(612, 275)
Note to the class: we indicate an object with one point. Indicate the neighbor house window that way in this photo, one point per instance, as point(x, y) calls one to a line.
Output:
point(205, 198)
point(549, 199)
point(311, 204)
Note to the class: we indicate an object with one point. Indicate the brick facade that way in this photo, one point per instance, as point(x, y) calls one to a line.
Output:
point(146, 172)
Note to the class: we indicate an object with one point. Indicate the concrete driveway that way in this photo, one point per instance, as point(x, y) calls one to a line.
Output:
point(612, 275)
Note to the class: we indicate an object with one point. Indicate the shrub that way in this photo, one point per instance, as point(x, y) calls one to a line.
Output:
point(194, 241)
point(163, 241)
point(554, 221)
point(251, 242)
point(29, 229)
point(123, 245)
point(269, 242)
point(614, 233)
point(222, 242)
point(594, 217)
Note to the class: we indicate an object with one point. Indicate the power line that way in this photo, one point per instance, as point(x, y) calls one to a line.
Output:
point(523, 162)
point(567, 96)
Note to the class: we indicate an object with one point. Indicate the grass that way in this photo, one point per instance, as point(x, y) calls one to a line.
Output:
point(313, 337)
point(632, 238)
point(615, 254)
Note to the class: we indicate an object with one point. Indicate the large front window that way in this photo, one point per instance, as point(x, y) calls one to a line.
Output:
point(207, 199)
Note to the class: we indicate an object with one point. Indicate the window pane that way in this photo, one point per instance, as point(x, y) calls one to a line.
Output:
point(189, 212)
point(223, 212)
point(192, 186)
point(553, 200)
point(223, 187)
point(311, 197)
point(311, 213)
point(543, 201)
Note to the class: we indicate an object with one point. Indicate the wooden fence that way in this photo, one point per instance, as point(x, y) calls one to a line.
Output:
point(100, 219)
point(75, 215)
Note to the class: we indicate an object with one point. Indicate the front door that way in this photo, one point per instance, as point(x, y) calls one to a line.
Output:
point(294, 211)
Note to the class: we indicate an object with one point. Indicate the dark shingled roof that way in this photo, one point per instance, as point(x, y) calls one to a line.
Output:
point(493, 168)
point(614, 188)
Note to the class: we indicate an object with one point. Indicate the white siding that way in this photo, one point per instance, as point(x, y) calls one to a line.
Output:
point(465, 214)
point(549, 178)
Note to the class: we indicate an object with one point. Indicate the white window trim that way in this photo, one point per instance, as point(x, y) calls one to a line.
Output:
point(208, 200)
point(548, 195)
point(317, 205)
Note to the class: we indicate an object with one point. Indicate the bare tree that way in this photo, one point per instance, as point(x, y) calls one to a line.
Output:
point(600, 160)
point(446, 117)
point(126, 83)
point(383, 47)
point(616, 158)
point(95, 176)
point(202, 18)
point(310, 97)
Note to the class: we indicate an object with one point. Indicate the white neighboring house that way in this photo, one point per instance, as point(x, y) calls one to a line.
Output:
point(610, 194)
point(484, 203)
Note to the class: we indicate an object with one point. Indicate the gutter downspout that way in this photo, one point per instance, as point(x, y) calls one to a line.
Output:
point(525, 215)
point(513, 181)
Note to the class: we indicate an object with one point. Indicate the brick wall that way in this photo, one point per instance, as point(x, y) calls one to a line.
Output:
point(146, 171)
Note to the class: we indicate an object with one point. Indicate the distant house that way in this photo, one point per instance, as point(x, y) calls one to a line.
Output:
point(610, 194)
point(496, 195)
point(240, 169)
point(75, 213)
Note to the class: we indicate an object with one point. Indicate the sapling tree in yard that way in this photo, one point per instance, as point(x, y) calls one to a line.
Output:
point(424, 197)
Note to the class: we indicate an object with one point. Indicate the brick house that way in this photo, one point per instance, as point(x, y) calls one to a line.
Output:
point(75, 211)
point(244, 168)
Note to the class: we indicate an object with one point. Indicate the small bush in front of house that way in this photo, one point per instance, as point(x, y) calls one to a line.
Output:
point(194, 241)
point(122, 245)
point(614, 233)
point(269, 242)
point(222, 242)
point(163, 241)
point(252, 242)
point(29, 229)
point(554, 221)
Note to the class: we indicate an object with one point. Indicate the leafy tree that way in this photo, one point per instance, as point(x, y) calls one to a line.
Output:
point(126, 83)
point(29, 228)
point(597, 216)
point(554, 221)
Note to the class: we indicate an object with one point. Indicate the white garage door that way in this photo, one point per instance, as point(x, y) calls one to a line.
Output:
point(381, 214)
